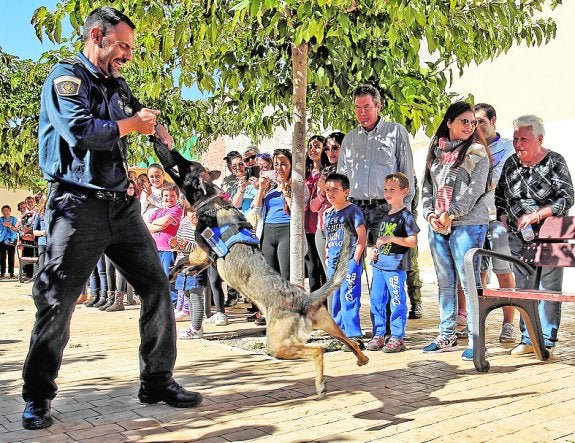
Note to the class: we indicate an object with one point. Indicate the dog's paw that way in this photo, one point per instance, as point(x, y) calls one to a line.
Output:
point(362, 360)
point(320, 389)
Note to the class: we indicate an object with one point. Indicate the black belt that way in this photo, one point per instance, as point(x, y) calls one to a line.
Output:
point(99, 194)
point(368, 201)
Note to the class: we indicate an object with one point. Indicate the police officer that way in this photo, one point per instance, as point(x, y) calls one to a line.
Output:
point(87, 109)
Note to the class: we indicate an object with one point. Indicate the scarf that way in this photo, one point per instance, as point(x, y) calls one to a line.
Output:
point(446, 152)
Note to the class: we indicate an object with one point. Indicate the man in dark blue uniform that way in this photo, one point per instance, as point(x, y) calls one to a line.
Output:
point(87, 109)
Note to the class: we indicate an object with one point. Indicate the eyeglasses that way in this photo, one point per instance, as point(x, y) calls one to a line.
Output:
point(251, 157)
point(465, 122)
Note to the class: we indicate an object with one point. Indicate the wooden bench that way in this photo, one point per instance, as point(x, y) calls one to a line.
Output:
point(554, 247)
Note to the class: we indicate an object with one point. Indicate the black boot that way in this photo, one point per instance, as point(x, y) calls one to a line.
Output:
point(93, 298)
point(37, 414)
point(102, 301)
point(170, 393)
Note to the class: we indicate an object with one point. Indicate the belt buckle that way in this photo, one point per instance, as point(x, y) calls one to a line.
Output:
point(106, 195)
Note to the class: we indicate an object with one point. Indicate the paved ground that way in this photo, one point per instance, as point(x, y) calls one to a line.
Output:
point(251, 397)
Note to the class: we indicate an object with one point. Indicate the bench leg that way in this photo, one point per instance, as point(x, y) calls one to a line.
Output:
point(479, 360)
point(529, 310)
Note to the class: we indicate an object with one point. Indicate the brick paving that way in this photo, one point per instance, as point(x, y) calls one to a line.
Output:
point(248, 396)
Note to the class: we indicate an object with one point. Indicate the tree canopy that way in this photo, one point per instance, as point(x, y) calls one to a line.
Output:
point(239, 53)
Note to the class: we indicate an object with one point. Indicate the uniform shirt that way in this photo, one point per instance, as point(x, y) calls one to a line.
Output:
point(368, 157)
point(79, 139)
point(525, 189)
point(399, 224)
point(334, 227)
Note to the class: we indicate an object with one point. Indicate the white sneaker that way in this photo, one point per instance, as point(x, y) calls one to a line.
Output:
point(220, 319)
point(190, 333)
point(210, 320)
point(507, 333)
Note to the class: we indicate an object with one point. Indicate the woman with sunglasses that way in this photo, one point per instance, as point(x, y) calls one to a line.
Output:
point(315, 161)
point(455, 182)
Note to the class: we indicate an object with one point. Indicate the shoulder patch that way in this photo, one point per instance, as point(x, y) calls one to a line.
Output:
point(67, 85)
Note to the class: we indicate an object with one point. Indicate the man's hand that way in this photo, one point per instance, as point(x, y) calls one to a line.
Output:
point(146, 121)
point(143, 122)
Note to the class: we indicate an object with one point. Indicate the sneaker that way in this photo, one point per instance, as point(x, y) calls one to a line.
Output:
point(376, 343)
point(357, 340)
point(220, 319)
point(334, 345)
point(468, 354)
point(522, 349)
point(525, 349)
point(190, 333)
point(507, 333)
point(217, 317)
point(182, 316)
point(260, 321)
point(461, 326)
point(441, 344)
point(393, 345)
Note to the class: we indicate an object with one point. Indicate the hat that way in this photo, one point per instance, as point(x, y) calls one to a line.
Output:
point(231, 155)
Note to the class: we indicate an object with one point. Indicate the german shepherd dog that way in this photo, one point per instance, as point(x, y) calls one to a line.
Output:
point(290, 311)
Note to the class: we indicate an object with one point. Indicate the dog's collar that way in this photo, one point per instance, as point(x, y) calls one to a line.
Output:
point(203, 203)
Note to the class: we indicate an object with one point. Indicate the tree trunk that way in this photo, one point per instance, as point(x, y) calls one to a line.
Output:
point(297, 234)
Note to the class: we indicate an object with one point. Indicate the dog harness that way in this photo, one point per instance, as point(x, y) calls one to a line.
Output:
point(222, 238)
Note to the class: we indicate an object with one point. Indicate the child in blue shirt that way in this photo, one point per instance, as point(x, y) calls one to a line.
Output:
point(397, 233)
point(346, 300)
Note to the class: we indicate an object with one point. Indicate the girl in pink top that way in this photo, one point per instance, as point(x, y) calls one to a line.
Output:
point(163, 224)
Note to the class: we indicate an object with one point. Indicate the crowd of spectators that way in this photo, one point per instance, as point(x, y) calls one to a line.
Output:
point(372, 185)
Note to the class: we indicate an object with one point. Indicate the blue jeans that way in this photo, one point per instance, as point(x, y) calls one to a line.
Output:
point(98, 278)
point(347, 300)
point(388, 285)
point(448, 252)
point(549, 311)
point(81, 228)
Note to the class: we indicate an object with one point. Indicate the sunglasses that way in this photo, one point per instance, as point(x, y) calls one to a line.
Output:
point(251, 157)
point(465, 122)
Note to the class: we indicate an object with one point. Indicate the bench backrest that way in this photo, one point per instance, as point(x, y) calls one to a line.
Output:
point(554, 246)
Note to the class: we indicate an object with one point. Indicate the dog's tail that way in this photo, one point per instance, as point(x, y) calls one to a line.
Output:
point(319, 296)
